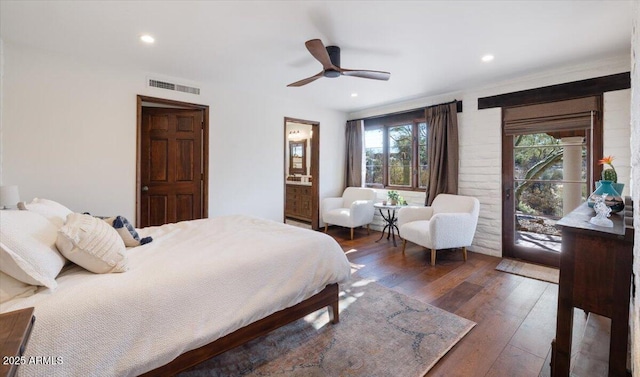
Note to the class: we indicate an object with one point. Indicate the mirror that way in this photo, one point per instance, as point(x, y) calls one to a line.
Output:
point(298, 157)
point(299, 139)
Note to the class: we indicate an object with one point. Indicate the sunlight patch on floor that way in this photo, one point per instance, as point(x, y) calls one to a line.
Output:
point(347, 297)
point(356, 267)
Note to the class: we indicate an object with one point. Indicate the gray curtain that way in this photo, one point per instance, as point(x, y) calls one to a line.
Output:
point(442, 123)
point(353, 171)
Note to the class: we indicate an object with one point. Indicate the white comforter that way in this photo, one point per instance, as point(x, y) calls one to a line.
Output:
point(197, 281)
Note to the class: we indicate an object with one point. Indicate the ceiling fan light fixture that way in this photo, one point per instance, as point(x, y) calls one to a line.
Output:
point(331, 73)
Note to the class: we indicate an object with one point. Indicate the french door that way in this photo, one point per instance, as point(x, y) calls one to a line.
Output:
point(547, 171)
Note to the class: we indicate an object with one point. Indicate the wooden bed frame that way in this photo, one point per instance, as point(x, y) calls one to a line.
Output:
point(328, 297)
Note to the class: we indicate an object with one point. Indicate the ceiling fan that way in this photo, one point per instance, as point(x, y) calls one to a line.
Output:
point(329, 57)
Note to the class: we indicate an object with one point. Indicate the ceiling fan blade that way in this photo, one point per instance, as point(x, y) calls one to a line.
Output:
point(307, 80)
point(317, 49)
point(376, 75)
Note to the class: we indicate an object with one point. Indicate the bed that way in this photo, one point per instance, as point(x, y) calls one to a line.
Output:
point(201, 287)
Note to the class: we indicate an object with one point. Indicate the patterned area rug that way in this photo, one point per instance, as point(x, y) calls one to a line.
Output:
point(534, 271)
point(381, 333)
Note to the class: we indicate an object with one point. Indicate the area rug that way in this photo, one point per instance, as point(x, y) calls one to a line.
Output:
point(534, 271)
point(380, 333)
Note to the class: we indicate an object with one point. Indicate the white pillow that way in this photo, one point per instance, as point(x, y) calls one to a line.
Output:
point(54, 211)
point(11, 288)
point(92, 244)
point(27, 248)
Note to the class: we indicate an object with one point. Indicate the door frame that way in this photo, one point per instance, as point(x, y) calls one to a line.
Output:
point(205, 147)
point(315, 170)
point(509, 249)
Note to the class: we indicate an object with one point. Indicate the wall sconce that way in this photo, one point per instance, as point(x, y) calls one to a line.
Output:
point(295, 135)
point(9, 196)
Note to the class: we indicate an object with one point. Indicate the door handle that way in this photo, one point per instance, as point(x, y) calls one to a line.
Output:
point(508, 193)
point(145, 188)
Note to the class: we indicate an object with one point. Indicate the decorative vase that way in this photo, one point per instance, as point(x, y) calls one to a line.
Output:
point(613, 199)
point(393, 202)
point(618, 186)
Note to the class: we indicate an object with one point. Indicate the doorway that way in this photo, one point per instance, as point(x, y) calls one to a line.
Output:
point(301, 167)
point(547, 171)
point(172, 161)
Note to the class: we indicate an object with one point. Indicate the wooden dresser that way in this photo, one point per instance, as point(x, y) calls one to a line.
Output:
point(298, 202)
point(595, 276)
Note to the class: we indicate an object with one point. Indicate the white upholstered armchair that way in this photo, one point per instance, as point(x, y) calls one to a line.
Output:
point(353, 209)
point(450, 222)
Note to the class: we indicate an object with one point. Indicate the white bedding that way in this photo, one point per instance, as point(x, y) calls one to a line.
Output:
point(197, 281)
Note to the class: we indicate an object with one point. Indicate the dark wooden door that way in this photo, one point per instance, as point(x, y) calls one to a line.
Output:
point(171, 166)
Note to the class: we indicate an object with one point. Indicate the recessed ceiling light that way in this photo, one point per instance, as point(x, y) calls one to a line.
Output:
point(354, 94)
point(487, 58)
point(147, 38)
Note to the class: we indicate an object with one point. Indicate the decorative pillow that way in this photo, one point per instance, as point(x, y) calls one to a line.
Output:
point(54, 211)
point(92, 244)
point(11, 288)
point(27, 248)
point(127, 231)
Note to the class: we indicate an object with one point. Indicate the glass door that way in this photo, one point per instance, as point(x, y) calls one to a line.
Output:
point(545, 177)
point(548, 152)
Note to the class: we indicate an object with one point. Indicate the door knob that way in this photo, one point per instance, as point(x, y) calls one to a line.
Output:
point(145, 188)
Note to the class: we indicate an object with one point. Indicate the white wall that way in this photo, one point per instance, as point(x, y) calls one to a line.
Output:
point(69, 134)
point(1, 101)
point(480, 139)
point(635, 183)
point(617, 114)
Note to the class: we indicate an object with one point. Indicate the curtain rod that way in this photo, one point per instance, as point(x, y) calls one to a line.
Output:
point(458, 109)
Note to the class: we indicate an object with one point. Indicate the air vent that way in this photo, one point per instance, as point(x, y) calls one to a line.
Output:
point(188, 89)
point(172, 86)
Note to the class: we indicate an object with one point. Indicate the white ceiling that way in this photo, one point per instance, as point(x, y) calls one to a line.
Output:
point(430, 47)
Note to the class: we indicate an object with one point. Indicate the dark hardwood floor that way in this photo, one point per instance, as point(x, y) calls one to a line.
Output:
point(515, 315)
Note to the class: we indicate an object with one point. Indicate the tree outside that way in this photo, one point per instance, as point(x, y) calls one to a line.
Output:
point(538, 188)
point(399, 140)
point(374, 154)
point(400, 155)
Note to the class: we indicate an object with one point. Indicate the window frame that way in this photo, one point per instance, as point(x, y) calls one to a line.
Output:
point(415, 154)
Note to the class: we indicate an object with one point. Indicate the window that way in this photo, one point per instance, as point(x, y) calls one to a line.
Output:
point(423, 163)
point(400, 141)
point(374, 152)
point(396, 154)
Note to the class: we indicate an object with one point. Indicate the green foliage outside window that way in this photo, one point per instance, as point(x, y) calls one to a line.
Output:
point(392, 148)
point(374, 154)
point(537, 170)
point(423, 163)
point(400, 153)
